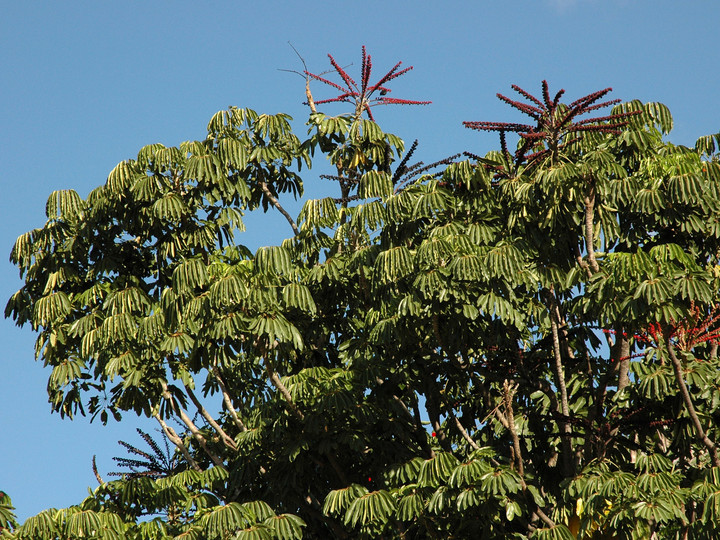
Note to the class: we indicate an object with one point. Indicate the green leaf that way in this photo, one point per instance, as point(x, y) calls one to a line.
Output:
point(370, 508)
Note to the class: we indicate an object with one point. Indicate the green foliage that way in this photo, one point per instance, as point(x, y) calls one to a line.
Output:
point(516, 346)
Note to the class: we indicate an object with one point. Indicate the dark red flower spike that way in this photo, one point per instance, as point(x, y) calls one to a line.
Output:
point(559, 129)
point(362, 97)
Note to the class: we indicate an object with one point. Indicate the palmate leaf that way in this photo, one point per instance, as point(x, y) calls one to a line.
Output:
point(369, 216)
point(222, 521)
point(68, 370)
point(655, 380)
point(204, 168)
point(64, 204)
point(440, 501)
point(500, 482)
point(410, 507)
point(466, 267)
point(179, 342)
point(393, 264)
point(170, 207)
point(83, 523)
point(655, 290)
point(431, 203)
point(338, 500)
point(189, 275)
point(370, 508)
point(39, 527)
point(407, 472)
point(434, 251)
point(558, 532)
point(375, 184)
point(51, 308)
point(505, 260)
point(686, 189)
point(469, 498)
point(660, 115)
point(122, 177)
point(275, 326)
point(468, 473)
point(286, 526)
point(432, 283)
point(708, 144)
point(118, 327)
point(147, 188)
point(436, 470)
point(298, 296)
point(273, 260)
point(228, 290)
point(318, 213)
point(129, 300)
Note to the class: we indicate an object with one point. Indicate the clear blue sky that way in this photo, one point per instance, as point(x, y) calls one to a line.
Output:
point(85, 84)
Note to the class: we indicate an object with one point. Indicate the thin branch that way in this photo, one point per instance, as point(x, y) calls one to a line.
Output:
point(278, 384)
point(699, 431)
point(560, 380)
point(464, 432)
point(199, 437)
point(229, 442)
point(177, 441)
point(273, 200)
point(508, 394)
point(590, 226)
point(416, 410)
point(621, 357)
point(336, 467)
point(417, 425)
point(227, 400)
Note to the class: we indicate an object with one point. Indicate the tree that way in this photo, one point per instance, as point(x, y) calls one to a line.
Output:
point(518, 345)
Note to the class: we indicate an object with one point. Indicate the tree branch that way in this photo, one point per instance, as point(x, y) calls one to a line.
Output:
point(560, 380)
point(278, 384)
point(229, 442)
point(508, 394)
point(227, 400)
point(177, 441)
point(699, 431)
point(590, 226)
point(464, 432)
point(276, 204)
point(199, 437)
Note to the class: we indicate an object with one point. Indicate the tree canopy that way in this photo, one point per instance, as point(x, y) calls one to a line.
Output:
point(516, 345)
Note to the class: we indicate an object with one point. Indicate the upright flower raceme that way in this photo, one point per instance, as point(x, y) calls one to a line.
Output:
point(363, 96)
point(700, 326)
point(555, 125)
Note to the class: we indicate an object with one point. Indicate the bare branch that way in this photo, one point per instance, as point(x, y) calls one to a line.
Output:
point(687, 399)
point(177, 441)
point(508, 394)
point(464, 432)
point(273, 200)
point(196, 433)
point(278, 384)
point(229, 442)
point(560, 380)
point(227, 400)
point(590, 226)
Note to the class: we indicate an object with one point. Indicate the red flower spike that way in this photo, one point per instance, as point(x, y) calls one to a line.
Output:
point(433, 434)
point(557, 132)
point(362, 97)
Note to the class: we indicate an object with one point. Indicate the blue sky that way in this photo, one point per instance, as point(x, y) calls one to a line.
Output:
point(85, 84)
